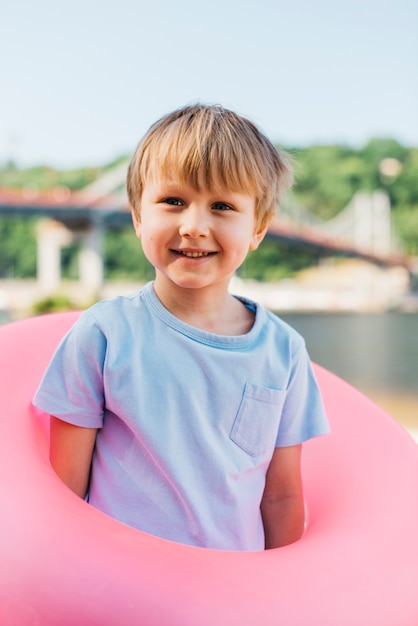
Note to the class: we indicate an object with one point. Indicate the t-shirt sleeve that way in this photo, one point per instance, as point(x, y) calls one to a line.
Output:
point(72, 385)
point(303, 416)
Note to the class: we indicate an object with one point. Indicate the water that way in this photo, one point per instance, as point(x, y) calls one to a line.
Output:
point(377, 353)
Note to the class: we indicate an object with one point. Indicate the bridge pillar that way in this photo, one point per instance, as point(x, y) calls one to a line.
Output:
point(51, 236)
point(91, 258)
point(372, 226)
point(382, 231)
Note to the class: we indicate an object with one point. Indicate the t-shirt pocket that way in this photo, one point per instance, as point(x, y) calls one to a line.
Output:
point(257, 421)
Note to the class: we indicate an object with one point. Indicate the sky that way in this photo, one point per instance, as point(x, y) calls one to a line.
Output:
point(82, 80)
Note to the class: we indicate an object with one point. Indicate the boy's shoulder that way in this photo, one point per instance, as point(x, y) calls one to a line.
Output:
point(278, 322)
point(284, 330)
point(106, 312)
point(273, 322)
point(121, 301)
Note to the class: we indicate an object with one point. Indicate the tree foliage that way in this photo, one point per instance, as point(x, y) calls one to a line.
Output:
point(43, 177)
point(17, 248)
point(328, 176)
point(124, 256)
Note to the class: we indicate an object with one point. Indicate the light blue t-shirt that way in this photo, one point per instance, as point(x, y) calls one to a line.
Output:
point(188, 420)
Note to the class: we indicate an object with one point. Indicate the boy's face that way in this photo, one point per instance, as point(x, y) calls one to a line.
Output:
point(195, 239)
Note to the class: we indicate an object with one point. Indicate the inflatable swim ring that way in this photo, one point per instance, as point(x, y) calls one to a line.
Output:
point(64, 563)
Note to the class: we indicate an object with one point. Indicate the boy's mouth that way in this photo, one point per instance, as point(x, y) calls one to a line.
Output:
point(193, 254)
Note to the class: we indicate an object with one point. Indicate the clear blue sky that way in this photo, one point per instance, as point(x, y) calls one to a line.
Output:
point(82, 80)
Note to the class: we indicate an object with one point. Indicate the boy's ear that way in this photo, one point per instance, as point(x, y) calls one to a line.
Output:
point(137, 224)
point(258, 236)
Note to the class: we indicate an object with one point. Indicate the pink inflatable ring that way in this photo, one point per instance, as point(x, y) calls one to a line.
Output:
point(64, 563)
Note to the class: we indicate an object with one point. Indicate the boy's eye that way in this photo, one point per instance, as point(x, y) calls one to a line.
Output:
point(173, 201)
point(221, 206)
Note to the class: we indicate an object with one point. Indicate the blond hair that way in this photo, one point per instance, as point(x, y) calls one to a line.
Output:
point(218, 144)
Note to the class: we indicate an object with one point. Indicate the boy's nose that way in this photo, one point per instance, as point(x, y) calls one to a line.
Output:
point(194, 223)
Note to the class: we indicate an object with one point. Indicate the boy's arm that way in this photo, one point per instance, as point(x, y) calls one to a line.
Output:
point(282, 505)
point(71, 450)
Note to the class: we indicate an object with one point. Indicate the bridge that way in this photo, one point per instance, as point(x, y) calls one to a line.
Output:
point(362, 229)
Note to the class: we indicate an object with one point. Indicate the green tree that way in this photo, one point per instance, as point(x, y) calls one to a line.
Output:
point(18, 248)
point(326, 177)
point(124, 257)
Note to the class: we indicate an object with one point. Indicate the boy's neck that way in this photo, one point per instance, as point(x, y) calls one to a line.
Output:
point(212, 309)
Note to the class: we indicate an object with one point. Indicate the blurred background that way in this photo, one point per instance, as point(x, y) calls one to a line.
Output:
point(333, 83)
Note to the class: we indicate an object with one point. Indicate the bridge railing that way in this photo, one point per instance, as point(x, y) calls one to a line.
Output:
point(365, 223)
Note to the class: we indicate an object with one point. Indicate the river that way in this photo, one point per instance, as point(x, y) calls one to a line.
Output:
point(376, 353)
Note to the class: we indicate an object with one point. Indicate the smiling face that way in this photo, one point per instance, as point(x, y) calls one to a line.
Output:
point(195, 237)
point(203, 184)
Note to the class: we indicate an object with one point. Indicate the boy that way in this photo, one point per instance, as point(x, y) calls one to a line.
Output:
point(181, 409)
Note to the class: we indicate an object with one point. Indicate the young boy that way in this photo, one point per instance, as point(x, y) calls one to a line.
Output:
point(181, 409)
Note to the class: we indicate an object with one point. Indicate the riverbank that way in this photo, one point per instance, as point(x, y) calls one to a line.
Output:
point(403, 407)
point(336, 285)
